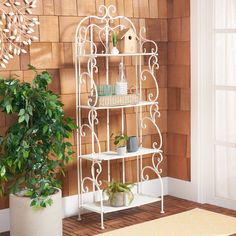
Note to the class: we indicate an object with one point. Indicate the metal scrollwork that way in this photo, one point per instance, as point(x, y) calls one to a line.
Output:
point(96, 170)
point(92, 120)
point(152, 65)
point(154, 114)
point(144, 41)
point(156, 161)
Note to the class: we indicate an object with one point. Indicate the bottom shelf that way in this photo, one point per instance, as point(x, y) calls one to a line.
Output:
point(139, 200)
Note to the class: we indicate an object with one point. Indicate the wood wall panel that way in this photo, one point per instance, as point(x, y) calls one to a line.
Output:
point(54, 52)
point(178, 71)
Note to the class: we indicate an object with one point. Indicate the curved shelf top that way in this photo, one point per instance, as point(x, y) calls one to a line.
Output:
point(94, 33)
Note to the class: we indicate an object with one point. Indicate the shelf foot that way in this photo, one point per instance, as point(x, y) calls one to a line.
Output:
point(79, 218)
point(162, 212)
point(102, 227)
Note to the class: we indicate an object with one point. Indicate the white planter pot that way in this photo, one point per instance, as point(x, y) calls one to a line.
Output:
point(120, 199)
point(26, 221)
point(114, 51)
point(121, 151)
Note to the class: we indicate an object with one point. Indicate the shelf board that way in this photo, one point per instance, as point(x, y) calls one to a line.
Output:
point(139, 200)
point(118, 55)
point(112, 155)
point(142, 103)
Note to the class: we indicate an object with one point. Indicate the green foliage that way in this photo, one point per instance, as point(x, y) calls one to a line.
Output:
point(120, 139)
point(117, 187)
point(34, 150)
point(114, 39)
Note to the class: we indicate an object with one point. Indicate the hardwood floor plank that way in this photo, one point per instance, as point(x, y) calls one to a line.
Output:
point(90, 223)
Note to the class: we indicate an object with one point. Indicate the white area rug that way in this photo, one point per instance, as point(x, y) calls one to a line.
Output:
point(196, 222)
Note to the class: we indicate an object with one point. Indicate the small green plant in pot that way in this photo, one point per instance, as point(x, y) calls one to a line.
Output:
point(33, 151)
point(114, 49)
point(119, 194)
point(120, 143)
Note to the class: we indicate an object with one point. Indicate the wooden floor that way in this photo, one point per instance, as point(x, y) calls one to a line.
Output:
point(90, 223)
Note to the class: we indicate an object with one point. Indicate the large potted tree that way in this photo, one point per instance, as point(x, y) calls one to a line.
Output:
point(33, 152)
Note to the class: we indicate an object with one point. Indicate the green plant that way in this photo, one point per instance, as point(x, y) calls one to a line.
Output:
point(117, 187)
point(114, 39)
point(34, 149)
point(120, 139)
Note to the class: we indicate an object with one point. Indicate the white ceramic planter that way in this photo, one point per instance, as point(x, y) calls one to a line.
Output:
point(26, 221)
point(121, 150)
point(114, 51)
point(120, 199)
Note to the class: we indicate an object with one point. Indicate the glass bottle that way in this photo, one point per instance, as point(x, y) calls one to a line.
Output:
point(121, 84)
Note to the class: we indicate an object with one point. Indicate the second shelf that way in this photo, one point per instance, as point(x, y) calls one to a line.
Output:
point(142, 103)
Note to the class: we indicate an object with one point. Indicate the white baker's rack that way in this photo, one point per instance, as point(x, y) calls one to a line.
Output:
point(87, 49)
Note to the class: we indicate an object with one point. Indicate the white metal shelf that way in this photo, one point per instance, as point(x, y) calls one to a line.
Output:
point(142, 103)
point(118, 55)
point(106, 156)
point(86, 32)
point(139, 200)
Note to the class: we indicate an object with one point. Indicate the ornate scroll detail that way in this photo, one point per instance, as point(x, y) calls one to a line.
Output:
point(91, 67)
point(104, 32)
point(154, 114)
point(96, 170)
point(157, 158)
point(83, 41)
point(107, 11)
point(152, 66)
point(92, 120)
point(144, 41)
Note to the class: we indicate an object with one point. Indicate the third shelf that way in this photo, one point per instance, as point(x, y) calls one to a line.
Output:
point(112, 155)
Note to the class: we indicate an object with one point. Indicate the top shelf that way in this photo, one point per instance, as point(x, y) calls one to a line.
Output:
point(118, 55)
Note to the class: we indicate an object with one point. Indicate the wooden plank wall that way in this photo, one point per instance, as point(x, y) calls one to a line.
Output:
point(54, 52)
point(179, 89)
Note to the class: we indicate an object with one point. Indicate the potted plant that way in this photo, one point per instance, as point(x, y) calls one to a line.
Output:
point(120, 143)
point(33, 152)
point(119, 194)
point(114, 49)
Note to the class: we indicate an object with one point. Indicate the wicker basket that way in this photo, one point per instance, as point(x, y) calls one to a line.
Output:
point(116, 100)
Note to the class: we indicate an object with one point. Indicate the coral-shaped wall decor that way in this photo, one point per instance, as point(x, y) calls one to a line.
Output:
point(16, 28)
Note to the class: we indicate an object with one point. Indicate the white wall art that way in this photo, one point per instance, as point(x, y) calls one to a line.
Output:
point(16, 28)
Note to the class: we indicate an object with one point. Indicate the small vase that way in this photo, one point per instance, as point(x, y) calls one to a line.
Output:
point(121, 151)
point(132, 144)
point(121, 88)
point(114, 51)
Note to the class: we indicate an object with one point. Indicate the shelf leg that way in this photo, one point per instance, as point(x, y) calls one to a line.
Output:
point(162, 205)
point(102, 221)
point(162, 193)
point(79, 215)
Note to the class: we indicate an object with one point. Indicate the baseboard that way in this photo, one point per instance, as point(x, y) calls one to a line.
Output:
point(70, 204)
point(182, 189)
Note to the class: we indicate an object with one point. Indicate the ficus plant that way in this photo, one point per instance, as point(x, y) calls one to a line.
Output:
point(34, 149)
